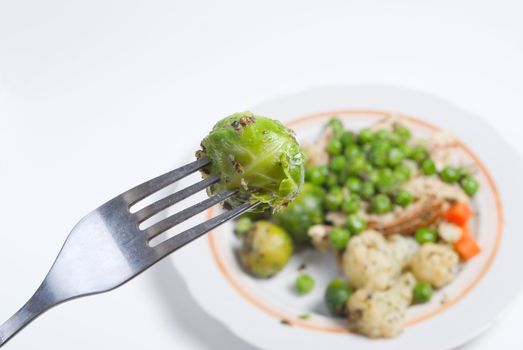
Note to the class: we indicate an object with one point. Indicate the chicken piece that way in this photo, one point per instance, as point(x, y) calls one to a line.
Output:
point(368, 261)
point(431, 200)
point(435, 263)
point(424, 186)
point(337, 218)
point(424, 212)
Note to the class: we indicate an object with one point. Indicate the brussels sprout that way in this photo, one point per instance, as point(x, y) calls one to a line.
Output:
point(266, 249)
point(306, 210)
point(255, 155)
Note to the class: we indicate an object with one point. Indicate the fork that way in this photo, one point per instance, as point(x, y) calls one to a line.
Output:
point(107, 248)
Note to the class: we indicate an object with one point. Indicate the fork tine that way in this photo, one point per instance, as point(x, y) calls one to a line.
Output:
point(166, 202)
point(187, 236)
point(149, 187)
point(185, 214)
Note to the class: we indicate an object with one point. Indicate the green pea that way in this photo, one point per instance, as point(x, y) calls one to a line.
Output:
point(348, 138)
point(406, 149)
point(378, 157)
point(382, 134)
point(402, 173)
point(402, 132)
point(395, 156)
point(365, 136)
point(243, 224)
point(373, 176)
point(304, 284)
point(356, 224)
point(449, 174)
point(426, 235)
point(352, 151)
point(386, 180)
point(366, 148)
point(317, 174)
point(428, 167)
point(404, 198)
point(350, 204)
point(338, 238)
point(336, 296)
point(332, 180)
point(381, 204)
point(334, 198)
point(334, 147)
point(357, 165)
point(338, 163)
point(353, 184)
point(367, 190)
point(381, 145)
point(469, 185)
point(336, 125)
point(419, 153)
point(422, 292)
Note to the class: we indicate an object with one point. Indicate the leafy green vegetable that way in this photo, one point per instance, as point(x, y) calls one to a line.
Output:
point(257, 156)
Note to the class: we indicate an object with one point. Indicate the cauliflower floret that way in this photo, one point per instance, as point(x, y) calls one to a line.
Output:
point(404, 286)
point(377, 314)
point(448, 232)
point(381, 314)
point(436, 264)
point(403, 249)
point(369, 262)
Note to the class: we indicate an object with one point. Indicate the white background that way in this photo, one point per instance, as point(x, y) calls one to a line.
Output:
point(97, 96)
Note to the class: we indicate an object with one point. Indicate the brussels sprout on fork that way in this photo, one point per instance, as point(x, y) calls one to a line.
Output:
point(255, 155)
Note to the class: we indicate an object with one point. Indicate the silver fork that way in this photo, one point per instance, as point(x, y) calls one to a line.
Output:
point(107, 248)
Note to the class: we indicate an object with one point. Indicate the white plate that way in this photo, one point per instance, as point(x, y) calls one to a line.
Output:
point(253, 309)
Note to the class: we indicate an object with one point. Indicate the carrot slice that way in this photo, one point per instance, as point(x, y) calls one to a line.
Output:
point(458, 214)
point(467, 247)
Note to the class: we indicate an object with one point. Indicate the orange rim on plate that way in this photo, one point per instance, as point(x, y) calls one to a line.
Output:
point(295, 321)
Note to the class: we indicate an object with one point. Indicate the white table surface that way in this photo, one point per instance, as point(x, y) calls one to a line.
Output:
point(96, 96)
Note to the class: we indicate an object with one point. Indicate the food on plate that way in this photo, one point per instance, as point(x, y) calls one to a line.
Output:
point(435, 263)
point(393, 210)
point(336, 296)
point(368, 261)
point(305, 211)
point(381, 314)
point(304, 284)
point(255, 155)
point(266, 249)
point(422, 292)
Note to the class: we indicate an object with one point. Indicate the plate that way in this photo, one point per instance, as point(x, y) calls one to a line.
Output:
point(268, 314)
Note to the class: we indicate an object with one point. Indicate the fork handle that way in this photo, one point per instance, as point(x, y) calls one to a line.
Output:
point(41, 301)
